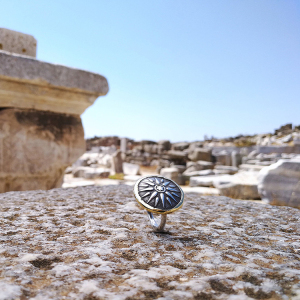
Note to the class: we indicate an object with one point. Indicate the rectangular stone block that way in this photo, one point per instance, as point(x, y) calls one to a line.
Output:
point(28, 83)
point(17, 42)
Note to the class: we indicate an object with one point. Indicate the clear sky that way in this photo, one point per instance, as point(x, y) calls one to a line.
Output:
point(177, 69)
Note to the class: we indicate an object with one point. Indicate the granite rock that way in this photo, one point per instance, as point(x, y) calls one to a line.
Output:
point(96, 243)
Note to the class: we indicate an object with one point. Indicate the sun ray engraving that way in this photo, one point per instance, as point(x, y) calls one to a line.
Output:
point(171, 196)
point(169, 200)
point(162, 196)
point(171, 189)
point(156, 201)
point(147, 189)
point(174, 194)
point(153, 195)
point(149, 182)
point(146, 194)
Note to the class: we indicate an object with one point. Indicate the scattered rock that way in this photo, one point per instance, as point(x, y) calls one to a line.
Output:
point(93, 173)
point(280, 183)
point(226, 169)
point(242, 185)
point(201, 154)
point(199, 173)
point(171, 173)
point(223, 158)
point(207, 180)
point(180, 146)
point(131, 169)
point(198, 166)
point(117, 163)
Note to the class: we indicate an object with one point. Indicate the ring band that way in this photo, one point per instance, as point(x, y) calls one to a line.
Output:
point(159, 195)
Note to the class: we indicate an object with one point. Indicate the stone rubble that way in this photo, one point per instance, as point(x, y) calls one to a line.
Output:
point(201, 164)
point(97, 243)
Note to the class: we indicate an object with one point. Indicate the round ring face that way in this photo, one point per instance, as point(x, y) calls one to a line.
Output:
point(158, 194)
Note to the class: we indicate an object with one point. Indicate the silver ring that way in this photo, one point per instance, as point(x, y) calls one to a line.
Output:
point(158, 195)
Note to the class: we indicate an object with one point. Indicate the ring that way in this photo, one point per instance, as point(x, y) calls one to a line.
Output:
point(159, 195)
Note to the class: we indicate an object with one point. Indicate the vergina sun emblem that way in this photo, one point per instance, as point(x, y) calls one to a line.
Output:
point(158, 194)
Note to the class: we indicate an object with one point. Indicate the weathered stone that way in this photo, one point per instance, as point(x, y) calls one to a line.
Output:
point(201, 154)
point(180, 146)
point(117, 162)
point(131, 169)
point(164, 145)
point(227, 169)
point(123, 145)
point(180, 168)
point(93, 173)
point(96, 243)
point(36, 147)
point(171, 173)
point(223, 158)
point(242, 185)
point(17, 42)
point(198, 166)
point(249, 167)
point(177, 154)
point(280, 183)
point(28, 83)
point(207, 180)
point(236, 159)
point(78, 172)
point(199, 173)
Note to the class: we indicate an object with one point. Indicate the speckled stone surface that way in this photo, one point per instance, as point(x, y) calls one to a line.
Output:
point(95, 243)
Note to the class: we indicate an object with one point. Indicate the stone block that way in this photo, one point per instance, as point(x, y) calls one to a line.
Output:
point(279, 184)
point(94, 173)
point(171, 173)
point(180, 146)
point(28, 83)
point(226, 169)
point(199, 173)
point(201, 154)
point(17, 42)
point(198, 166)
point(117, 163)
point(36, 147)
point(207, 181)
point(131, 169)
point(242, 185)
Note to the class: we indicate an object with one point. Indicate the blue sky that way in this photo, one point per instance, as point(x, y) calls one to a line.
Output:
point(176, 69)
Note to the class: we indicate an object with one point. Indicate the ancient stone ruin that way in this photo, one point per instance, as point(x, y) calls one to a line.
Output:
point(262, 166)
point(41, 133)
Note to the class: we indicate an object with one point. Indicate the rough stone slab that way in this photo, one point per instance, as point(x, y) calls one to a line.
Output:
point(96, 243)
point(17, 42)
point(32, 84)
